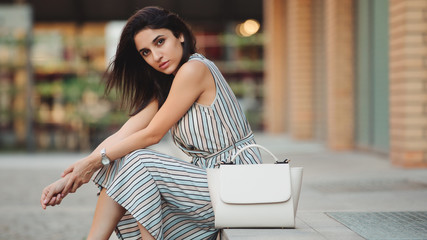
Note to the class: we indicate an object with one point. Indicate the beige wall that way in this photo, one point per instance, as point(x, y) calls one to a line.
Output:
point(408, 82)
point(292, 74)
point(340, 73)
point(300, 73)
point(275, 48)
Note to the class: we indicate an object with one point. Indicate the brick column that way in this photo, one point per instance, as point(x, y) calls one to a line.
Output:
point(408, 82)
point(340, 73)
point(300, 75)
point(275, 106)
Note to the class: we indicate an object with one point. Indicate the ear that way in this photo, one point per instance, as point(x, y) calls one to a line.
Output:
point(181, 38)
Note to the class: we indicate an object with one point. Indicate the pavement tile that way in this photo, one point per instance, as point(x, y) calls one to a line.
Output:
point(333, 181)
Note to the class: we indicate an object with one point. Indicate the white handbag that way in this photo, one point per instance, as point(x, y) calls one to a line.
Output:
point(255, 195)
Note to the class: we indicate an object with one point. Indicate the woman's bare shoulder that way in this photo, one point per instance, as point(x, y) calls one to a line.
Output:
point(194, 69)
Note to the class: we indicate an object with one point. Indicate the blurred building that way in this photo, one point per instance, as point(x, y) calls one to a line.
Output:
point(349, 73)
point(53, 55)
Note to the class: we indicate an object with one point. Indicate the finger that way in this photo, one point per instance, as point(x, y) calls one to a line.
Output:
point(48, 196)
point(68, 186)
point(52, 202)
point(58, 199)
point(75, 186)
point(42, 203)
point(42, 198)
point(67, 171)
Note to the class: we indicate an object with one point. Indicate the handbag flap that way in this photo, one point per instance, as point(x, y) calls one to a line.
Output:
point(255, 183)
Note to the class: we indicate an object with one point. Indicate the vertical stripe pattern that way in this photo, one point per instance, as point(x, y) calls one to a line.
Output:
point(206, 131)
point(169, 196)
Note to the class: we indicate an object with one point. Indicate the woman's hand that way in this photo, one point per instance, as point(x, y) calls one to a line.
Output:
point(80, 173)
point(51, 195)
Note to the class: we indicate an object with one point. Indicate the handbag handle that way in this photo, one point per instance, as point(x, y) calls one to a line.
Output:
point(251, 146)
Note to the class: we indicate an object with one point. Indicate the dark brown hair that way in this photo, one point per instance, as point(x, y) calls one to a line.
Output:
point(136, 81)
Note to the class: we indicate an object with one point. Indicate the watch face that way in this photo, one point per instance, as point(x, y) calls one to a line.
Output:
point(105, 161)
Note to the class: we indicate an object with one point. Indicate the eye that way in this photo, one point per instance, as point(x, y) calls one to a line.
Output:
point(145, 52)
point(160, 41)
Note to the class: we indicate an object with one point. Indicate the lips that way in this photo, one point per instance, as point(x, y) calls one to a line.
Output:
point(164, 65)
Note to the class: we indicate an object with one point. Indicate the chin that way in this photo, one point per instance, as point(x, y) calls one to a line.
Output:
point(167, 72)
point(170, 72)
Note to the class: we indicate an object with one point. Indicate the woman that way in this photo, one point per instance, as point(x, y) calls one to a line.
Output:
point(167, 86)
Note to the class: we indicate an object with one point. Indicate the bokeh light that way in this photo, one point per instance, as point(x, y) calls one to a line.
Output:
point(248, 28)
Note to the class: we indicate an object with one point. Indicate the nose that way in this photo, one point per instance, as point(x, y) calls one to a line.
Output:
point(157, 55)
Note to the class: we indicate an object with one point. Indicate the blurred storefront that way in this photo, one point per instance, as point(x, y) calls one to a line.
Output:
point(53, 56)
point(349, 73)
point(16, 114)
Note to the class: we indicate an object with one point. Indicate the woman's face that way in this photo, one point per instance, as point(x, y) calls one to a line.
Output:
point(160, 49)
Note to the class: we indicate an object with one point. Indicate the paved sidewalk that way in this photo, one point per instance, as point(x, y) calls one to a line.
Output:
point(333, 182)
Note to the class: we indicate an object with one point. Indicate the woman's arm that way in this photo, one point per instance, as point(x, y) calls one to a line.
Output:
point(133, 124)
point(191, 82)
point(52, 196)
point(188, 86)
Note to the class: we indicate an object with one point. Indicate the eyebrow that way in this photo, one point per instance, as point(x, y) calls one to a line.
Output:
point(154, 40)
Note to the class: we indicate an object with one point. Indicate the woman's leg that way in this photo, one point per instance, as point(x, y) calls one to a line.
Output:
point(169, 197)
point(107, 214)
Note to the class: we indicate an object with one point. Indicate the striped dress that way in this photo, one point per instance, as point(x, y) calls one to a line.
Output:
point(169, 196)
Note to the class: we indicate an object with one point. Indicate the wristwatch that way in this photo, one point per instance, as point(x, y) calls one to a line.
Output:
point(104, 158)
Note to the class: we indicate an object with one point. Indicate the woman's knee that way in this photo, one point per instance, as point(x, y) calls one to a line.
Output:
point(143, 155)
